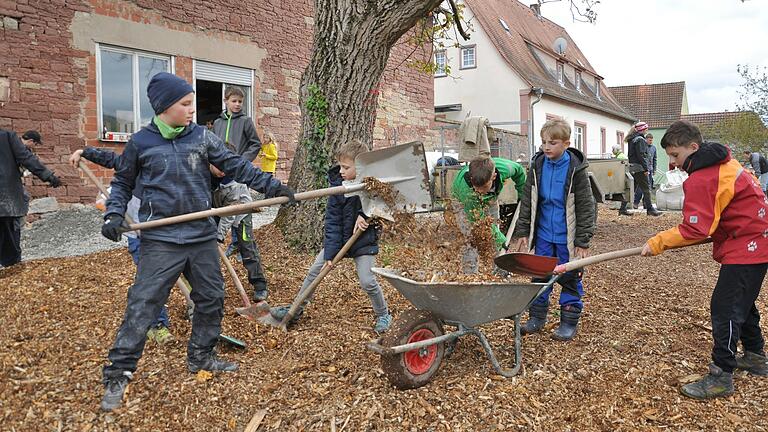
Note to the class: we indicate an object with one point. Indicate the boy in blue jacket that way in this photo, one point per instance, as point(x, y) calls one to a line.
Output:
point(169, 158)
point(343, 217)
point(557, 219)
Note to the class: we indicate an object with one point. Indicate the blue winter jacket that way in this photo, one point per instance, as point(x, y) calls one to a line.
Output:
point(176, 180)
point(340, 216)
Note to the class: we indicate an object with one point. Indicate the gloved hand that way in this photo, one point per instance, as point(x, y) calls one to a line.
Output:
point(114, 226)
point(54, 181)
point(284, 190)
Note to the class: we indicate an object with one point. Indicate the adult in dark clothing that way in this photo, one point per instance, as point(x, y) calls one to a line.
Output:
point(638, 164)
point(13, 205)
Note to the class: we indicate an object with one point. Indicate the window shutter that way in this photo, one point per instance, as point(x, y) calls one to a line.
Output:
point(223, 73)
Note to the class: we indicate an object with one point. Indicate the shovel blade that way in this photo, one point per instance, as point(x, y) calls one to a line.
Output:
point(404, 160)
point(526, 264)
point(229, 340)
point(254, 311)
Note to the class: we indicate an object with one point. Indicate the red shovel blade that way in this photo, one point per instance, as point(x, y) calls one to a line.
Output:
point(526, 264)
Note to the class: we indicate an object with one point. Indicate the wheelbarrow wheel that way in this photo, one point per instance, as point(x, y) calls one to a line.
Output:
point(414, 368)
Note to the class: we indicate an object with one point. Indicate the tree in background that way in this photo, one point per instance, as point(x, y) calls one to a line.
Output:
point(754, 91)
point(741, 131)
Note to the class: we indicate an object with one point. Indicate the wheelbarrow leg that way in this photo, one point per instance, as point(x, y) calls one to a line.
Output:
point(506, 373)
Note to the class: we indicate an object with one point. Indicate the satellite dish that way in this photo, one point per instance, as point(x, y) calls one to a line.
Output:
point(560, 45)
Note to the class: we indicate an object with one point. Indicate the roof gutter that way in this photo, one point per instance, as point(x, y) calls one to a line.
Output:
point(539, 92)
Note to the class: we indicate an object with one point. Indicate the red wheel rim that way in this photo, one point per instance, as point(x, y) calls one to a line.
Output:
point(419, 361)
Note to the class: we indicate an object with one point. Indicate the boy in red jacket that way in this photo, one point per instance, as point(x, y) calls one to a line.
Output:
point(725, 202)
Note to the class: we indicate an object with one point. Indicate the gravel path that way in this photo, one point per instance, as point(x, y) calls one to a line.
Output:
point(76, 230)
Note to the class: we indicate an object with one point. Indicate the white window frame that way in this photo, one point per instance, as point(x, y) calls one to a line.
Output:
point(578, 81)
point(135, 53)
point(560, 73)
point(597, 88)
point(464, 49)
point(578, 136)
point(438, 71)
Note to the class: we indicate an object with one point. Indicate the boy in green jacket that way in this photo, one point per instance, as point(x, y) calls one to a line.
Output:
point(477, 187)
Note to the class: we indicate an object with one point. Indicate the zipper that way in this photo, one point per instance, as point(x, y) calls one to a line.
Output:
point(150, 212)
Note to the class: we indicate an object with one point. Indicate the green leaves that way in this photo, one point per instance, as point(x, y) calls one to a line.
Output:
point(318, 156)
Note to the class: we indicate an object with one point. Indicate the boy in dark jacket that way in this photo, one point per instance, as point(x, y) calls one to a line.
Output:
point(638, 164)
point(725, 202)
point(239, 135)
point(557, 218)
point(343, 217)
point(160, 331)
point(169, 158)
point(13, 204)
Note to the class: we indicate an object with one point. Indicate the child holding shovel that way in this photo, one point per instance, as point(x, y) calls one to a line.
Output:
point(169, 158)
point(557, 219)
point(722, 201)
point(160, 331)
point(343, 217)
point(477, 187)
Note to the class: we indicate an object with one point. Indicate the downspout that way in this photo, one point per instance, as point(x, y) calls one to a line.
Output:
point(539, 92)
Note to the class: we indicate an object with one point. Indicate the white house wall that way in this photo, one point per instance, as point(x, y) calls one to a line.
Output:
point(593, 119)
point(492, 89)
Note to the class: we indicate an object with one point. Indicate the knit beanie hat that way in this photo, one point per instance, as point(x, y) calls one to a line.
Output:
point(641, 126)
point(165, 89)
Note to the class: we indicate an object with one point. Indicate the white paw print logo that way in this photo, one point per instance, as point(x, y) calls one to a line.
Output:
point(765, 233)
point(765, 199)
point(761, 212)
point(752, 246)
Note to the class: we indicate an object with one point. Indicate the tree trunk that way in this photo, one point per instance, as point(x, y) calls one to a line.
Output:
point(352, 42)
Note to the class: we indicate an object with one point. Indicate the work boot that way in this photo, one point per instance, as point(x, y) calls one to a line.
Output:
point(114, 389)
point(279, 312)
point(537, 317)
point(623, 210)
point(753, 363)
point(382, 323)
point(212, 363)
point(716, 384)
point(569, 321)
point(653, 212)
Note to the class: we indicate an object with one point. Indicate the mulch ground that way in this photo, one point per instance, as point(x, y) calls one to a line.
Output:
point(644, 332)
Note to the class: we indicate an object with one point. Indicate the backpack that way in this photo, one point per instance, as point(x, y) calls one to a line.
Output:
point(763, 164)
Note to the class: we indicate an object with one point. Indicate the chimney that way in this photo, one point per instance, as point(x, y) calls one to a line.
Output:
point(536, 8)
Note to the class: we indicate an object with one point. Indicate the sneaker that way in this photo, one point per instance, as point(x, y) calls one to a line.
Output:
point(211, 363)
point(114, 389)
point(382, 323)
point(716, 384)
point(259, 295)
point(753, 363)
point(230, 249)
point(279, 312)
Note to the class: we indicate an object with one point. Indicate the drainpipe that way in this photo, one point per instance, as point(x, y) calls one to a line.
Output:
point(539, 92)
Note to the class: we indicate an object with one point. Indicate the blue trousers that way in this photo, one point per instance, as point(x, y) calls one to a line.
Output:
point(572, 289)
point(134, 246)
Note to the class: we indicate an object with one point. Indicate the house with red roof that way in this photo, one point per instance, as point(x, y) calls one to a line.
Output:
point(520, 69)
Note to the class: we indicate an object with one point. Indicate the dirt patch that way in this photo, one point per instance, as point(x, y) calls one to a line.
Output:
point(642, 334)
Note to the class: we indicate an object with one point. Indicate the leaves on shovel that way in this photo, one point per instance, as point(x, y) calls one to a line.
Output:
point(637, 336)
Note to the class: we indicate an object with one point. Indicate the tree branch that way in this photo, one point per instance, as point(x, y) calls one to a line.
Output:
point(457, 20)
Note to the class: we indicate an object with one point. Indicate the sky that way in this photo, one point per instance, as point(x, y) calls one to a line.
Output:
point(700, 42)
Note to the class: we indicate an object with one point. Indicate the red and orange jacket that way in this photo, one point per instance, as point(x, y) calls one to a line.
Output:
point(722, 201)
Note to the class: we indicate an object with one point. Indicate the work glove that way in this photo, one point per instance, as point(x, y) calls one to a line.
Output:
point(54, 181)
point(284, 190)
point(114, 226)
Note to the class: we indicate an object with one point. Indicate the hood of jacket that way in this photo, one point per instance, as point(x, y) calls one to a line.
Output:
point(234, 115)
point(709, 153)
point(578, 160)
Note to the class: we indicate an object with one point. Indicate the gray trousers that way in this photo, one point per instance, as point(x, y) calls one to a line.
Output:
point(160, 265)
point(368, 281)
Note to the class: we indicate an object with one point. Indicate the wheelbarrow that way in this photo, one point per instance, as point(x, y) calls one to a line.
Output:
point(414, 347)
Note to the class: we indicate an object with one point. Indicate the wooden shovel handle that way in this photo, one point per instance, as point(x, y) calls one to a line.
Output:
point(571, 265)
point(235, 278)
point(311, 288)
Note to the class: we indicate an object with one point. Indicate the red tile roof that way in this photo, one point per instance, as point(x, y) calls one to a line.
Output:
point(656, 104)
point(712, 119)
point(516, 46)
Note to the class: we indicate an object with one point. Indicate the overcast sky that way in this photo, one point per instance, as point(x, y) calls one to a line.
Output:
point(700, 42)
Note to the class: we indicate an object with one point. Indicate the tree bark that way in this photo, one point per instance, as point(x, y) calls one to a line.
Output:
point(352, 42)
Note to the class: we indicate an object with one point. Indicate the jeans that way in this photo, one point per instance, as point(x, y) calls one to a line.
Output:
point(367, 278)
point(641, 183)
point(572, 289)
point(134, 246)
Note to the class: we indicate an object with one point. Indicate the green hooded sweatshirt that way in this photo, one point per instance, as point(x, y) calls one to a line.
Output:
point(474, 204)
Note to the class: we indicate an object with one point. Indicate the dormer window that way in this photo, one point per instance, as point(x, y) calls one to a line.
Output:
point(597, 88)
point(560, 73)
point(578, 81)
